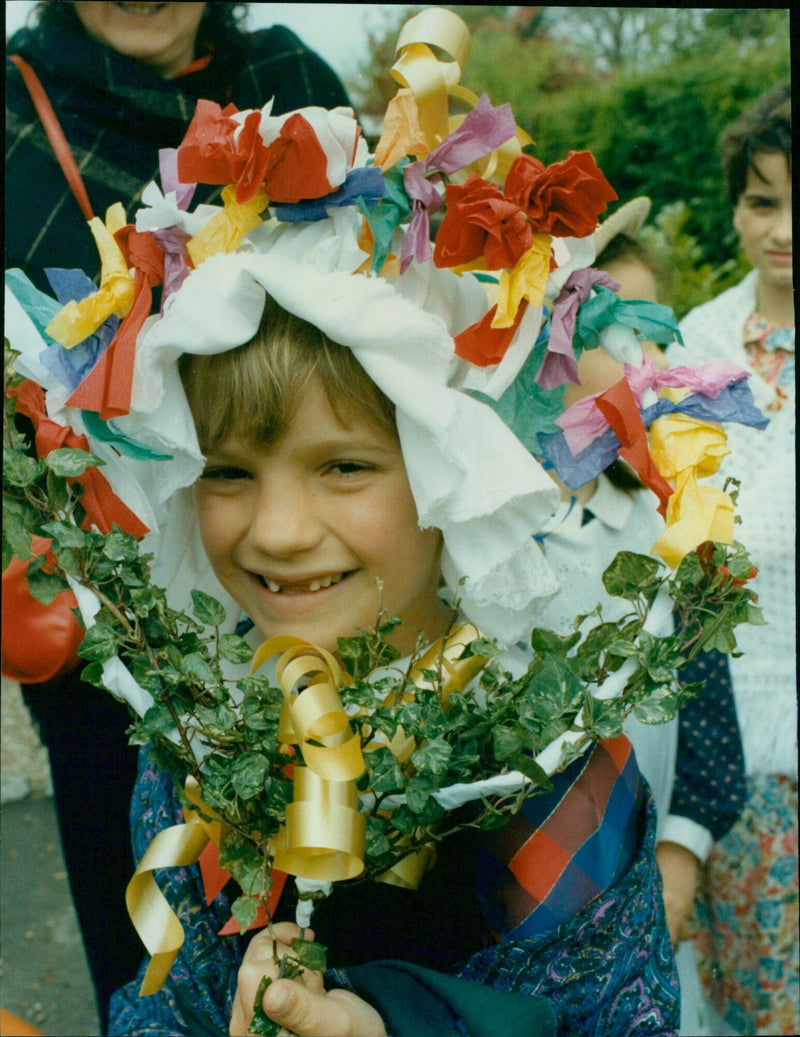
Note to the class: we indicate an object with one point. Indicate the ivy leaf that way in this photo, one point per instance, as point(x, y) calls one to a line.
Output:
point(248, 774)
point(156, 724)
point(506, 742)
point(57, 490)
point(376, 842)
point(120, 546)
point(660, 706)
point(261, 1025)
point(235, 649)
point(65, 534)
point(144, 599)
point(419, 798)
point(241, 858)
point(70, 463)
point(99, 643)
point(552, 691)
point(194, 665)
point(605, 718)
point(526, 765)
point(218, 720)
point(722, 639)
point(207, 609)
point(19, 469)
point(433, 756)
point(44, 586)
point(546, 642)
point(631, 575)
point(16, 537)
point(311, 955)
point(355, 655)
point(385, 775)
point(245, 911)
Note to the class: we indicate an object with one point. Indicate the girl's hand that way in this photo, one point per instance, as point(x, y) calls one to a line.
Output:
point(301, 1006)
point(679, 868)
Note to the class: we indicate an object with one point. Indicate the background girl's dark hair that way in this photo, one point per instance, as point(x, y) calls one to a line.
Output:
point(221, 23)
point(766, 127)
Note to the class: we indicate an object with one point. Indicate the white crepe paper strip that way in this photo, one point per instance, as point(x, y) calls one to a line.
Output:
point(116, 676)
point(306, 903)
point(570, 254)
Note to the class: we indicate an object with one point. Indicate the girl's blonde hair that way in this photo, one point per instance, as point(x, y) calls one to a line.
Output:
point(251, 392)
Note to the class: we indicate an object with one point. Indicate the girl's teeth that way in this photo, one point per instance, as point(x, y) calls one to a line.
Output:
point(314, 585)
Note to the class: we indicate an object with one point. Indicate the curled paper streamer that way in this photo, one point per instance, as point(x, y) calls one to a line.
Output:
point(456, 672)
point(324, 834)
point(315, 718)
point(156, 923)
point(431, 80)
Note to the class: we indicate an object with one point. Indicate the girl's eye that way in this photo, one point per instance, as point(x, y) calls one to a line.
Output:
point(226, 472)
point(347, 467)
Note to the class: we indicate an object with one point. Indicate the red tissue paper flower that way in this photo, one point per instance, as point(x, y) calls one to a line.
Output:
point(564, 199)
point(481, 221)
point(209, 154)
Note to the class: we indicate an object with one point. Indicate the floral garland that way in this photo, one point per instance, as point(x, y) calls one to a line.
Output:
point(248, 750)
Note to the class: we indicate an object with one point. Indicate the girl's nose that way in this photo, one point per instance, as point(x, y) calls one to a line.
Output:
point(284, 520)
point(782, 227)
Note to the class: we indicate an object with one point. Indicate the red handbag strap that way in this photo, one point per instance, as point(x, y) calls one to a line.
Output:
point(52, 127)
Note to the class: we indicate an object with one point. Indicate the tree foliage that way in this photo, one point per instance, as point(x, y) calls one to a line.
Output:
point(647, 90)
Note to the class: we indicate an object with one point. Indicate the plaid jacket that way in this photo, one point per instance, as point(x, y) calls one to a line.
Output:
point(116, 113)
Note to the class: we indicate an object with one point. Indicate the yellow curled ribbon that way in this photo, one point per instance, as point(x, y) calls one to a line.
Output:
point(324, 834)
point(158, 926)
point(432, 80)
point(78, 320)
point(225, 230)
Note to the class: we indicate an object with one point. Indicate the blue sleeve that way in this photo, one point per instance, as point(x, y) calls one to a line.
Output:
point(709, 785)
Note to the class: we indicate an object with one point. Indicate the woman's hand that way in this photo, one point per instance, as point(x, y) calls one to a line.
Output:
point(679, 868)
point(301, 1006)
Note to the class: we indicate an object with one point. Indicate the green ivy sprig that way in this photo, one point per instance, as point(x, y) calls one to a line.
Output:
point(223, 730)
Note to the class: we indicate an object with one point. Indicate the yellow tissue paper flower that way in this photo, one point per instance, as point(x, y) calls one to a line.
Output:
point(679, 442)
point(224, 232)
point(78, 320)
point(525, 280)
point(695, 514)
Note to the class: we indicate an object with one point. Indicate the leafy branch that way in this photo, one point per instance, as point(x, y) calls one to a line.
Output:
point(223, 729)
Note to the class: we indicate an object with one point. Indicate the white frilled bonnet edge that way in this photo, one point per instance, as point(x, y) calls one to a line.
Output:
point(469, 474)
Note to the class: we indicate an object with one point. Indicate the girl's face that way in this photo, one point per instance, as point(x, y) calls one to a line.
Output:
point(161, 35)
point(299, 531)
point(763, 219)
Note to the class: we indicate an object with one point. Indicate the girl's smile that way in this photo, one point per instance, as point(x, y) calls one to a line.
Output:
point(301, 531)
